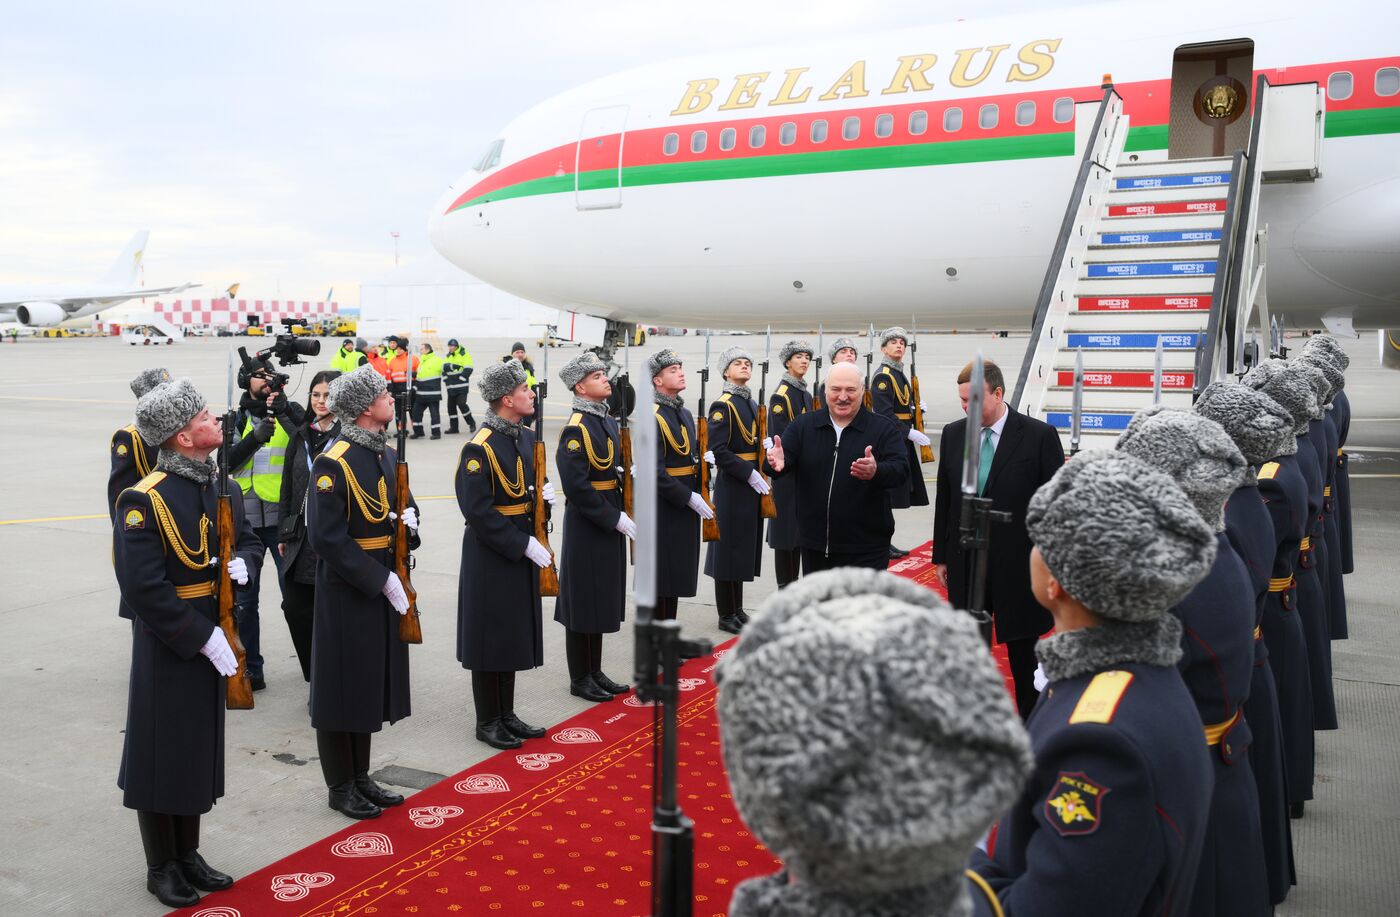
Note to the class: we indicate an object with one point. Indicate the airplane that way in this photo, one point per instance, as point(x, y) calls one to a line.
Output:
point(919, 172)
point(42, 307)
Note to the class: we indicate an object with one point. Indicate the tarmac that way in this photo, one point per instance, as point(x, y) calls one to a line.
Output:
point(71, 848)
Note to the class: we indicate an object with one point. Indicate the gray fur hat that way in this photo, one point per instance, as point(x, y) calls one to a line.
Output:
point(792, 348)
point(1289, 383)
point(1195, 451)
point(841, 344)
point(1324, 345)
point(1333, 379)
point(729, 355)
point(852, 712)
point(889, 334)
point(500, 379)
point(164, 410)
point(574, 371)
point(1120, 536)
point(1258, 424)
point(351, 393)
point(148, 379)
point(660, 360)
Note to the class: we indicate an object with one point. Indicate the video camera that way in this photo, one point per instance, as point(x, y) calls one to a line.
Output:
point(287, 348)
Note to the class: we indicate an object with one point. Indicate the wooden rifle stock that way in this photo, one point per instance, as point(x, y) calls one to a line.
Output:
point(549, 576)
point(627, 484)
point(766, 507)
point(238, 689)
point(925, 452)
point(410, 630)
point(709, 528)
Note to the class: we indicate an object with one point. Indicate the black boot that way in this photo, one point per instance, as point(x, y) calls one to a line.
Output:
point(585, 688)
point(169, 885)
point(201, 875)
point(742, 615)
point(897, 553)
point(376, 793)
point(731, 624)
point(607, 684)
point(519, 728)
point(471, 424)
point(1295, 810)
point(416, 434)
point(495, 734)
point(346, 800)
point(452, 427)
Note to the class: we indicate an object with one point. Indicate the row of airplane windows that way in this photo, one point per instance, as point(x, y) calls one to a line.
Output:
point(1340, 86)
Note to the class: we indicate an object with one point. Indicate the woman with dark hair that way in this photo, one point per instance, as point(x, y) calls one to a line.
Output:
point(298, 559)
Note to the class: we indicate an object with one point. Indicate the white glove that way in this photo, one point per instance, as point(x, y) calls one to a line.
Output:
point(410, 518)
point(923, 408)
point(701, 508)
point(756, 481)
point(1040, 680)
point(218, 652)
point(393, 591)
point(537, 554)
point(238, 571)
point(767, 443)
point(549, 495)
point(710, 457)
point(626, 526)
point(918, 438)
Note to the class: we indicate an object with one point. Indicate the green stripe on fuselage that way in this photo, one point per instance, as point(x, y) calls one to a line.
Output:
point(1362, 121)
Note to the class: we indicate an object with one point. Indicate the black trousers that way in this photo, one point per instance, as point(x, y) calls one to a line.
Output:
point(344, 755)
point(431, 404)
point(457, 404)
point(667, 607)
point(584, 653)
point(813, 561)
point(298, 604)
point(166, 837)
point(493, 695)
point(1020, 654)
point(729, 597)
point(786, 566)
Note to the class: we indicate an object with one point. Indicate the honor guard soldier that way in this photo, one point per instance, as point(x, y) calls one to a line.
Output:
point(1217, 661)
point(1322, 346)
point(680, 507)
point(892, 395)
point(1329, 380)
point(593, 572)
point(499, 617)
point(1113, 817)
point(1261, 429)
point(427, 392)
point(359, 666)
point(789, 401)
point(172, 769)
point(132, 457)
point(457, 365)
point(842, 350)
point(737, 557)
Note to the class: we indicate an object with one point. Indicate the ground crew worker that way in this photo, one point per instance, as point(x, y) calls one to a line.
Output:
point(593, 569)
point(517, 353)
point(1261, 429)
point(737, 557)
point(359, 667)
point(400, 364)
point(132, 457)
point(842, 350)
point(457, 369)
point(172, 766)
point(1217, 661)
point(891, 395)
point(679, 505)
point(500, 628)
point(789, 401)
point(1114, 814)
point(427, 392)
point(375, 357)
point(347, 358)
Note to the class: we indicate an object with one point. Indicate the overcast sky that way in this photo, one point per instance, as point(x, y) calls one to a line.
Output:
point(278, 144)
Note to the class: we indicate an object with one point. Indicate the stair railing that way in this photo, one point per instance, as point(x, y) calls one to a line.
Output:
point(1247, 276)
point(1209, 346)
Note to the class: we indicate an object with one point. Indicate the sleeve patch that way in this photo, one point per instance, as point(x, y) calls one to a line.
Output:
point(717, 415)
point(1075, 804)
point(882, 386)
point(777, 409)
point(121, 449)
point(574, 445)
point(324, 484)
point(134, 519)
point(473, 466)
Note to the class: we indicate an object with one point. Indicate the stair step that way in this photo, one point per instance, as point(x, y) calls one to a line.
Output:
point(1158, 179)
point(1186, 267)
point(1160, 237)
point(1104, 359)
point(1090, 440)
point(1122, 322)
point(1110, 340)
point(1124, 378)
point(1173, 166)
point(1185, 285)
point(1097, 421)
point(1126, 401)
point(1145, 206)
point(1166, 223)
point(1116, 304)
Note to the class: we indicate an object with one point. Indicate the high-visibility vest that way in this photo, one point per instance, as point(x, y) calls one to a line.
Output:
point(398, 367)
point(345, 360)
point(458, 356)
point(263, 472)
point(381, 367)
point(429, 375)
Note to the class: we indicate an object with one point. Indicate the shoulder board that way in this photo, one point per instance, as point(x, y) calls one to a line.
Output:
point(129, 428)
point(575, 419)
point(482, 435)
point(1268, 470)
point(782, 388)
point(338, 449)
point(656, 408)
point(149, 481)
point(885, 370)
point(1099, 702)
point(727, 397)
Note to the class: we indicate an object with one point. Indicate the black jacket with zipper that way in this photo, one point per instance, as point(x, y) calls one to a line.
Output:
point(838, 513)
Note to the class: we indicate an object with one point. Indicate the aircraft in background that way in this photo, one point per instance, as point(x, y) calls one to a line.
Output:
point(42, 307)
point(922, 172)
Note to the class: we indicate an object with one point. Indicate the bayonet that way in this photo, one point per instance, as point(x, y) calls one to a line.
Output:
point(1157, 374)
point(1076, 414)
point(972, 441)
point(644, 496)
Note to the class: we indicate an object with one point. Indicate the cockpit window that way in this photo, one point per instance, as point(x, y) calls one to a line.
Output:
point(491, 157)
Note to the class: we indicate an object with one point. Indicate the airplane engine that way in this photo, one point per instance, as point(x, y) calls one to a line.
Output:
point(40, 314)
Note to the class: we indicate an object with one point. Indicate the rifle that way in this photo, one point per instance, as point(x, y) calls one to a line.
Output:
point(976, 515)
point(626, 435)
point(238, 690)
point(925, 452)
point(869, 359)
point(410, 630)
point(549, 576)
point(709, 528)
point(1076, 411)
point(817, 383)
point(767, 509)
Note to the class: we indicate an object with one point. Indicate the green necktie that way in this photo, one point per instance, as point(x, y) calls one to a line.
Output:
point(984, 460)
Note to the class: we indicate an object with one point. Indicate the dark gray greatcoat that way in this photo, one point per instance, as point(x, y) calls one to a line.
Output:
point(1341, 412)
point(677, 525)
point(1331, 531)
point(132, 459)
point(786, 405)
point(1312, 594)
point(173, 751)
point(593, 564)
point(737, 556)
point(359, 667)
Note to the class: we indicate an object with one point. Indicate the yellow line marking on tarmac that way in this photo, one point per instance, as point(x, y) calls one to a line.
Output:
point(69, 519)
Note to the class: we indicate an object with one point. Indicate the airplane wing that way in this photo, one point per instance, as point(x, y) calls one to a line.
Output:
point(74, 303)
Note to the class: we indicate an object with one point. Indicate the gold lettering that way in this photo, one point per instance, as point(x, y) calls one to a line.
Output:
point(1040, 61)
point(745, 91)
point(959, 75)
point(785, 96)
point(698, 96)
point(852, 82)
point(910, 75)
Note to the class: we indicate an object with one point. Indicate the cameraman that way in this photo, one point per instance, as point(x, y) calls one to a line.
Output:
point(264, 426)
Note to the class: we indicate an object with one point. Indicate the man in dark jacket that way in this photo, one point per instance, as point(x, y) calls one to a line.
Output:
point(846, 461)
point(1019, 453)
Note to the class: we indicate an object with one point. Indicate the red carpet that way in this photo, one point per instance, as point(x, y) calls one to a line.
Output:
point(563, 825)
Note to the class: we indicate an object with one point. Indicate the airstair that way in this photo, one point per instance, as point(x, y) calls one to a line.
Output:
point(1157, 263)
point(150, 328)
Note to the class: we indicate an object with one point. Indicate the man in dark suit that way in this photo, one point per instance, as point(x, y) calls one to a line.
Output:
point(1019, 454)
